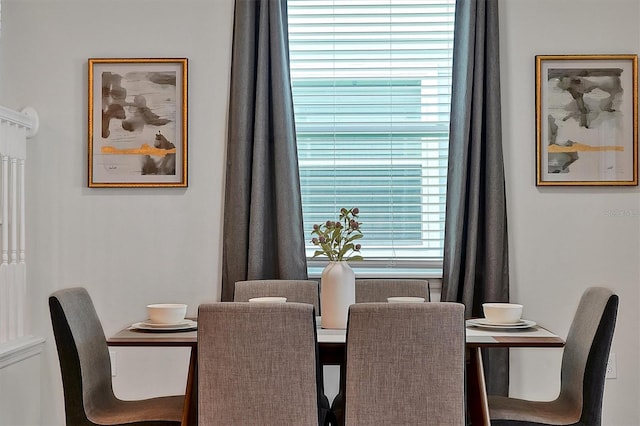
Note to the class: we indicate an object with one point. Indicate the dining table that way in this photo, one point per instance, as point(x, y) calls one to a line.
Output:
point(332, 345)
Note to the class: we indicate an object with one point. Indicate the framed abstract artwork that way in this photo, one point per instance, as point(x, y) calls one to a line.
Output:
point(587, 120)
point(137, 122)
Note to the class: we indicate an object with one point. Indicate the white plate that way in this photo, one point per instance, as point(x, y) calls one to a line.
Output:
point(149, 323)
point(483, 323)
point(190, 325)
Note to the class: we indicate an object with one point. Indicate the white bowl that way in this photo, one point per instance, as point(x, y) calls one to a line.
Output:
point(268, 299)
point(401, 299)
point(166, 313)
point(502, 313)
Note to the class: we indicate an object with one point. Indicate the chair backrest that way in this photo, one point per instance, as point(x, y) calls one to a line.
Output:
point(301, 291)
point(257, 364)
point(405, 364)
point(377, 290)
point(586, 352)
point(83, 354)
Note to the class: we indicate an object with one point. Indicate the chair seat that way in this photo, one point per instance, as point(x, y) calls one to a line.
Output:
point(556, 412)
point(162, 409)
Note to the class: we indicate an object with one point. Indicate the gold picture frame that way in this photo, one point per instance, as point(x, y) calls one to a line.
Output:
point(587, 120)
point(137, 122)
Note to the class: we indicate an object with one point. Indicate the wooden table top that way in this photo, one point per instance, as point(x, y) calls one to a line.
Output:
point(534, 337)
point(133, 337)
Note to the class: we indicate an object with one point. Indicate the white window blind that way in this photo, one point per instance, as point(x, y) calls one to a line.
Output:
point(371, 86)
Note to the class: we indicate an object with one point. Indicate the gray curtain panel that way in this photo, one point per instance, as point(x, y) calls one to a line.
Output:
point(263, 235)
point(476, 263)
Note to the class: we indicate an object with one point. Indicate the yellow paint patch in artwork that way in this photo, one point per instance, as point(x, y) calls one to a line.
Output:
point(582, 147)
point(144, 149)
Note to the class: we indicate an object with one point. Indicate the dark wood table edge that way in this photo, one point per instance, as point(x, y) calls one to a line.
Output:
point(133, 337)
point(517, 342)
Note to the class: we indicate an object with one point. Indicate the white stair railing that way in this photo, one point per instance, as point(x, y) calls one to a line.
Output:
point(15, 128)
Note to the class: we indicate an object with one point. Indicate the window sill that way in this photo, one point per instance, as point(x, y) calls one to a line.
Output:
point(371, 272)
point(433, 275)
point(20, 349)
point(384, 268)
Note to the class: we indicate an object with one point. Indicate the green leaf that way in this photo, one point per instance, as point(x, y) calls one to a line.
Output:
point(354, 237)
point(345, 249)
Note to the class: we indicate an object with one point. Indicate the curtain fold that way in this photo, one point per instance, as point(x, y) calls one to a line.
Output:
point(263, 235)
point(476, 260)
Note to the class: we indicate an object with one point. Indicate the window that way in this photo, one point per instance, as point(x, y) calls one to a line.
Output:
point(371, 86)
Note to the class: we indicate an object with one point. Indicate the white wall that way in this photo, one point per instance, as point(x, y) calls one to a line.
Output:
point(17, 384)
point(130, 247)
point(563, 240)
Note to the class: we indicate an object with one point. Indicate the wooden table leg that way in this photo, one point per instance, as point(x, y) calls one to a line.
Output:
point(334, 354)
point(477, 402)
point(190, 411)
point(337, 406)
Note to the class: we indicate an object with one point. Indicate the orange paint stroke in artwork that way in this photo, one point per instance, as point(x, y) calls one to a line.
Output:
point(575, 147)
point(144, 149)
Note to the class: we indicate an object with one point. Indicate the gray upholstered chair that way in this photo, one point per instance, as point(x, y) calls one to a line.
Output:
point(582, 375)
point(405, 364)
point(377, 290)
point(86, 370)
point(258, 365)
point(302, 291)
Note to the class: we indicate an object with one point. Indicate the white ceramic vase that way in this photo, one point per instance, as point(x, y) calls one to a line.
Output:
point(337, 293)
